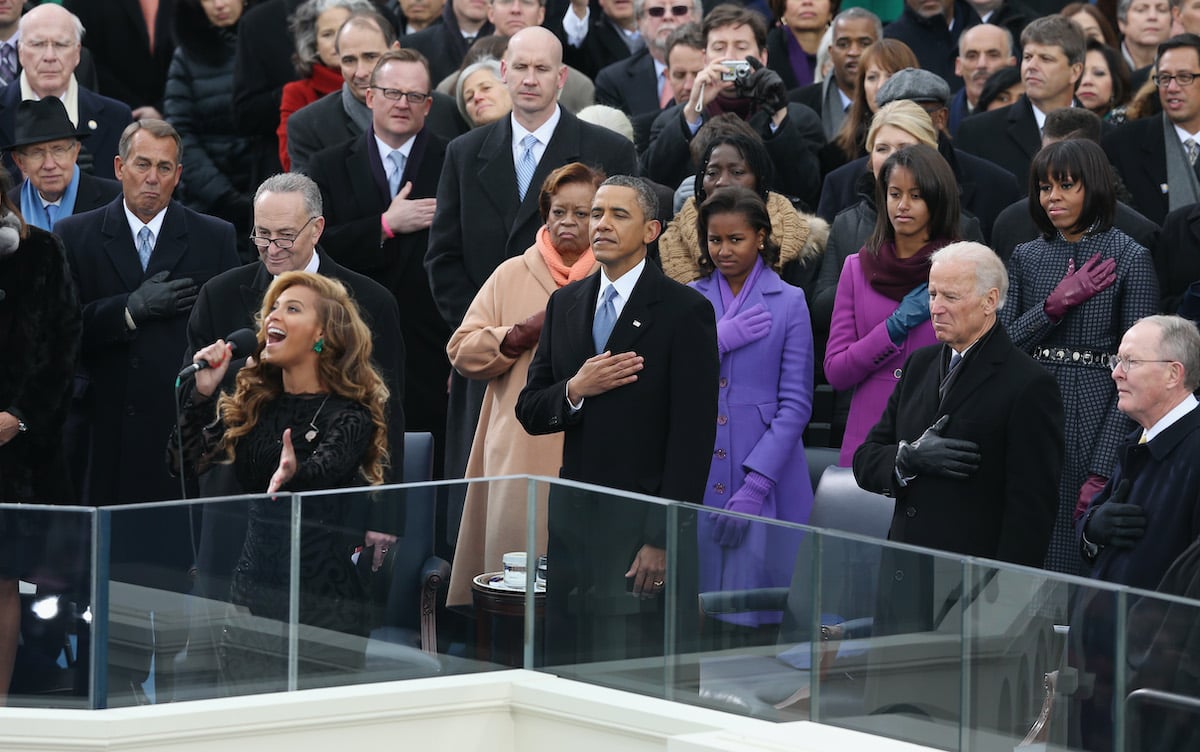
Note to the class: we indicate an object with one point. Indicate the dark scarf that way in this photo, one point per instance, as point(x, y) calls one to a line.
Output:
point(740, 106)
point(893, 276)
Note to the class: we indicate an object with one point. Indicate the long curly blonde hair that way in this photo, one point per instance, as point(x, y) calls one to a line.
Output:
point(344, 366)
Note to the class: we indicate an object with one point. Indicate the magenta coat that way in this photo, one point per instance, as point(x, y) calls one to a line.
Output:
point(764, 403)
point(860, 354)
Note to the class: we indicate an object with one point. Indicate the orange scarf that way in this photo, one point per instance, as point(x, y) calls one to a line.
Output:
point(560, 272)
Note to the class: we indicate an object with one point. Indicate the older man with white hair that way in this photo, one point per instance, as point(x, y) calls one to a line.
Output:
point(49, 50)
point(971, 442)
point(1148, 512)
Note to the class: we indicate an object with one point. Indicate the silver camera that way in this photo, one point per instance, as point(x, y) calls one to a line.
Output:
point(736, 70)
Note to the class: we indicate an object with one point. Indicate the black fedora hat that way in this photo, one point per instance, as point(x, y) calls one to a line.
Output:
point(42, 120)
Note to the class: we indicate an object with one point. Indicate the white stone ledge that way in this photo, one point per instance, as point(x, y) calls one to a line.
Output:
point(506, 711)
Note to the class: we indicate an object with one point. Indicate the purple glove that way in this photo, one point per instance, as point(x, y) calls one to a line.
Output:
point(729, 531)
point(1092, 486)
point(1079, 286)
point(748, 326)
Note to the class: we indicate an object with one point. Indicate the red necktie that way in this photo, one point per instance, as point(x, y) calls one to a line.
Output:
point(667, 98)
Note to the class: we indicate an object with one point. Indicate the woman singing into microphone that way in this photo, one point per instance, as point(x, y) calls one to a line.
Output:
point(307, 413)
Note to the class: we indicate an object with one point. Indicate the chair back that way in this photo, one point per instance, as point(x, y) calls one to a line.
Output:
point(848, 568)
point(415, 545)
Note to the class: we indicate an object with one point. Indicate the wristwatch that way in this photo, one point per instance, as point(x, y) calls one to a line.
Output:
point(21, 427)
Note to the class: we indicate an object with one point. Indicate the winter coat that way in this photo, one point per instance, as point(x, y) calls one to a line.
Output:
point(764, 403)
point(493, 521)
point(199, 103)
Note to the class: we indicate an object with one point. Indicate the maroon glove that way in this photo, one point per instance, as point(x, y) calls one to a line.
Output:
point(1079, 286)
point(1092, 486)
point(523, 336)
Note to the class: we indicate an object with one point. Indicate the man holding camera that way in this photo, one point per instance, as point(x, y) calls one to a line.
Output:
point(735, 80)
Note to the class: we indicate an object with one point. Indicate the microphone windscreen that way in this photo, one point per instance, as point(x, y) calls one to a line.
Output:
point(244, 342)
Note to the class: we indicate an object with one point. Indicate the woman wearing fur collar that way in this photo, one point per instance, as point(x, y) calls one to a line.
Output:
point(39, 335)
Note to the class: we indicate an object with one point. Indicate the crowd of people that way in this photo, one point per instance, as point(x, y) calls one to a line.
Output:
point(624, 242)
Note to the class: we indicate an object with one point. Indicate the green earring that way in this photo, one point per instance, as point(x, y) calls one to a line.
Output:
point(319, 346)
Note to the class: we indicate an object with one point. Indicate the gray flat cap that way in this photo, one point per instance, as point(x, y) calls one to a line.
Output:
point(915, 84)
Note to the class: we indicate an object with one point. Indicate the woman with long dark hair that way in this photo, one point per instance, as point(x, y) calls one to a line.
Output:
point(1104, 88)
point(307, 414)
point(1072, 294)
point(881, 313)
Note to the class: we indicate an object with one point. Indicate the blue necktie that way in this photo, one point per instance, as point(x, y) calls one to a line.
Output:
point(606, 318)
point(52, 214)
point(145, 246)
point(8, 63)
point(397, 160)
point(526, 165)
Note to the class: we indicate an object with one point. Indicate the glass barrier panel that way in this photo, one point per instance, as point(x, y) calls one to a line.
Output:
point(367, 614)
point(1155, 689)
point(619, 573)
point(756, 633)
point(198, 599)
point(45, 593)
point(1016, 632)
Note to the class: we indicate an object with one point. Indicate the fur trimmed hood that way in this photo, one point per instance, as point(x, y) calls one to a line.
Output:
point(801, 237)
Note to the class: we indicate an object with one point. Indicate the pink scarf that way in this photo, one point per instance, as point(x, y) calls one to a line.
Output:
point(560, 272)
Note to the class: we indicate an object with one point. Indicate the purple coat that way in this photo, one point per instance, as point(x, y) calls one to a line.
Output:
point(764, 403)
point(860, 354)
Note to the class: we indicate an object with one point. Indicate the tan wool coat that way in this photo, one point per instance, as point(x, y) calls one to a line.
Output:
point(493, 521)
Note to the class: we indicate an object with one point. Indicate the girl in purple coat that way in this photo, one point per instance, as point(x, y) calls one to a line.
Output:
point(881, 313)
point(765, 400)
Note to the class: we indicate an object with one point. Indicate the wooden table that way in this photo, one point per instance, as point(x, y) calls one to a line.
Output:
point(500, 620)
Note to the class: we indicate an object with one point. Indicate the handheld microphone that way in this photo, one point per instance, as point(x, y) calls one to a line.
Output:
point(243, 340)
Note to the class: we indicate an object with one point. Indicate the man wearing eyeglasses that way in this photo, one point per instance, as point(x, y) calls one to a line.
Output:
point(343, 115)
point(1130, 534)
point(1156, 156)
point(289, 225)
point(640, 83)
point(49, 51)
point(378, 191)
point(1146, 515)
point(46, 148)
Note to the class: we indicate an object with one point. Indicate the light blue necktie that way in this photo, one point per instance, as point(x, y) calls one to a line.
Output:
point(526, 165)
point(397, 159)
point(145, 246)
point(52, 214)
point(606, 318)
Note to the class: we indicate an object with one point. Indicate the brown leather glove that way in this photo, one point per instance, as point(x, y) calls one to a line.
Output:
point(523, 336)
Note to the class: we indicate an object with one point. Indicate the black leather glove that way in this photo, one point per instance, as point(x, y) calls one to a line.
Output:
point(1115, 523)
point(934, 454)
point(765, 89)
point(160, 298)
